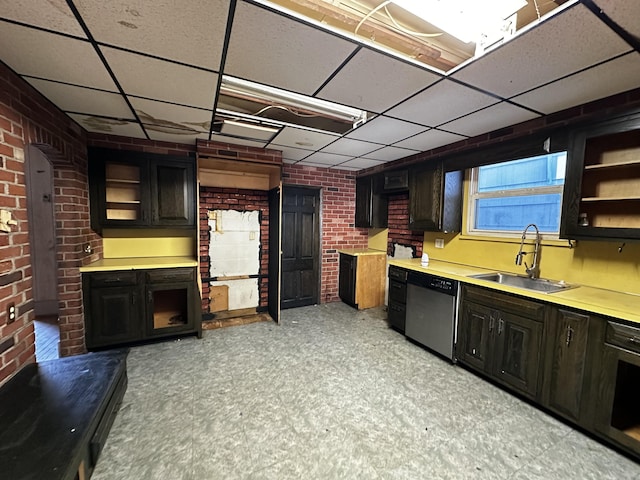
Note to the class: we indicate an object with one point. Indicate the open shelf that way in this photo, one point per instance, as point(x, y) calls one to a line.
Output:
point(625, 415)
point(170, 308)
point(123, 192)
point(610, 188)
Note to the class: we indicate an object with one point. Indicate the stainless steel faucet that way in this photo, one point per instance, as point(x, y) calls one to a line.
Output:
point(533, 271)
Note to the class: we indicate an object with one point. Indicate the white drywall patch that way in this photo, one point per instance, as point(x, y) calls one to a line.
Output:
point(234, 248)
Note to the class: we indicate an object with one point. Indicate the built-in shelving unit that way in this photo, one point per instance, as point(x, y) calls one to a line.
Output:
point(123, 191)
point(602, 186)
point(611, 180)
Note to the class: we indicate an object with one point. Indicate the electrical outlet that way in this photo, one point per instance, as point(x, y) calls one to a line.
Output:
point(11, 312)
point(439, 242)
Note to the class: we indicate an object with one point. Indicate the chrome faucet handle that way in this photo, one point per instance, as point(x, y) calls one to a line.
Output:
point(519, 258)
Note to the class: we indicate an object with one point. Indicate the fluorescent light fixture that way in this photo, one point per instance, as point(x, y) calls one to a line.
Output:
point(300, 104)
point(248, 130)
point(466, 20)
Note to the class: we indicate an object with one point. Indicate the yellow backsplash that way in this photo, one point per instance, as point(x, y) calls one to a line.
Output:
point(378, 238)
point(148, 243)
point(596, 264)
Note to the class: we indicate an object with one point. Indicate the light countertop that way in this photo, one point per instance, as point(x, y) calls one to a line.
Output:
point(138, 263)
point(361, 251)
point(625, 306)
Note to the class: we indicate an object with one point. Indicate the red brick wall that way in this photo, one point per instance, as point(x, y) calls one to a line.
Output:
point(398, 222)
point(338, 200)
point(27, 118)
point(214, 198)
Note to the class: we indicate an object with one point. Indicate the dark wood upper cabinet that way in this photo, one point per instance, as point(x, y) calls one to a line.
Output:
point(132, 189)
point(435, 199)
point(372, 207)
point(602, 185)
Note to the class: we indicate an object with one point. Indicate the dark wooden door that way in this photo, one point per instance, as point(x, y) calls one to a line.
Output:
point(172, 193)
point(476, 325)
point(568, 360)
point(275, 247)
point(517, 348)
point(42, 232)
point(300, 247)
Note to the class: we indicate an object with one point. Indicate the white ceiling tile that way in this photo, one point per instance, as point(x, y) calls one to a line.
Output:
point(291, 153)
point(364, 82)
point(151, 78)
point(624, 13)
point(276, 50)
point(54, 57)
point(429, 140)
point(190, 32)
point(307, 139)
point(353, 148)
point(361, 163)
point(155, 133)
point(83, 100)
point(325, 158)
point(568, 42)
point(385, 130)
point(586, 86)
point(52, 15)
point(440, 103)
point(172, 118)
point(218, 137)
point(387, 154)
point(489, 119)
point(109, 126)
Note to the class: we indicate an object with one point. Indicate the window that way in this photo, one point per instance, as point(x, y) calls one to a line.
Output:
point(505, 197)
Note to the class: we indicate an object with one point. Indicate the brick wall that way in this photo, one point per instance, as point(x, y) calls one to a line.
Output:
point(398, 222)
point(27, 118)
point(337, 199)
point(214, 198)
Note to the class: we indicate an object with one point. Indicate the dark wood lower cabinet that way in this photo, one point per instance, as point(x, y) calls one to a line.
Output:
point(566, 362)
point(128, 306)
point(500, 343)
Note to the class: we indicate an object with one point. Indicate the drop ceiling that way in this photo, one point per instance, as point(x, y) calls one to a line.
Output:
point(152, 70)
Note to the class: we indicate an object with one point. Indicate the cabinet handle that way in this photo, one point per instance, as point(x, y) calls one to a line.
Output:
point(500, 326)
point(112, 280)
point(569, 335)
point(491, 320)
point(634, 340)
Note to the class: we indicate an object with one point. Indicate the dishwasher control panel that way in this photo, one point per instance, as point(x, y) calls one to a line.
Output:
point(426, 280)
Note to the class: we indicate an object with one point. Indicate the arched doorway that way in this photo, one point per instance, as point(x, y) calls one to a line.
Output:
point(42, 241)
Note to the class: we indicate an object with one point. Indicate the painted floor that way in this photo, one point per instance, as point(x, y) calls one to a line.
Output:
point(331, 393)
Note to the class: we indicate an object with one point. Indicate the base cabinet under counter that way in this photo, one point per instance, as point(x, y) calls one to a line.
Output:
point(129, 306)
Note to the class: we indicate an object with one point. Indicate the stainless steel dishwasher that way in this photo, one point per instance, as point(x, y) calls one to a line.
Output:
point(432, 304)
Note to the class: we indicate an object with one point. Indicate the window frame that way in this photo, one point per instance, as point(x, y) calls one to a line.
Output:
point(473, 195)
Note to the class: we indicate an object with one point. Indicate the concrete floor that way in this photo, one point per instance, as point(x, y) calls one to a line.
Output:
point(332, 393)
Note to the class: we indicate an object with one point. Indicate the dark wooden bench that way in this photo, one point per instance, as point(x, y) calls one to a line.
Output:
point(55, 416)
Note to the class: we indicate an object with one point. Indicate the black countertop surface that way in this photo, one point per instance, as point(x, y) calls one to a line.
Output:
point(49, 411)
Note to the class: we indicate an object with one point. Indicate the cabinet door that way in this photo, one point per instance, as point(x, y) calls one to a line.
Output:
point(517, 352)
point(170, 308)
point(114, 316)
point(568, 351)
point(172, 193)
point(425, 198)
point(474, 333)
point(372, 207)
point(347, 280)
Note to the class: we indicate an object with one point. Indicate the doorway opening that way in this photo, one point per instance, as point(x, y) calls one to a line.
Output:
point(44, 261)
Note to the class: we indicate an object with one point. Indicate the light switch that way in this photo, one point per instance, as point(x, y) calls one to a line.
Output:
point(6, 221)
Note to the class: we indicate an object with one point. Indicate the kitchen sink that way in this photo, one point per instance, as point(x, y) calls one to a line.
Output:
point(541, 285)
